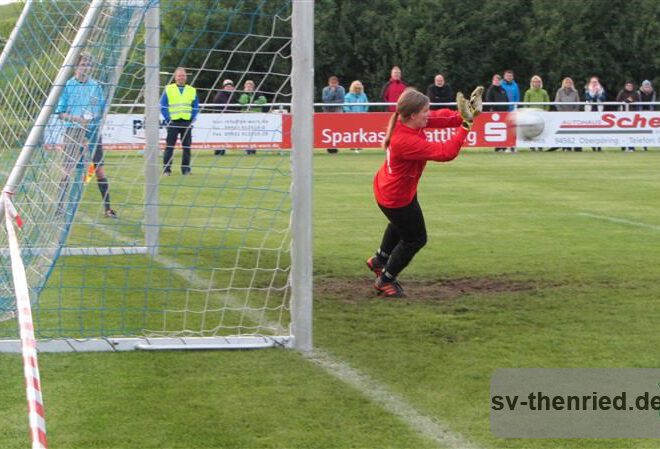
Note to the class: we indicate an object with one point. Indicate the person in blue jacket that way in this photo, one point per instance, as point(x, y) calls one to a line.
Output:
point(512, 92)
point(358, 98)
point(356, 95)
point(333, 93)
point(511, 88)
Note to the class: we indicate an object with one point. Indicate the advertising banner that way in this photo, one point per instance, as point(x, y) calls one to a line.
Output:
point(367, 130)
point(253, 130)
point(525, 128)
point(586, 129)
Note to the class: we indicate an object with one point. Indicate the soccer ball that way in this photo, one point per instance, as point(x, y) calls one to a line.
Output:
point(528, 122)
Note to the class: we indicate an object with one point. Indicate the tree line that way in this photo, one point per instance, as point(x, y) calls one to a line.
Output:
point(470, 40)
point(466, 40)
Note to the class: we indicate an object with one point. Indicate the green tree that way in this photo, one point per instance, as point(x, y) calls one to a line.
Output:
point(469, 40)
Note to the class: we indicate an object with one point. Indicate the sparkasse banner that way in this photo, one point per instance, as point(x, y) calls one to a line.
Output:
point(367, 130)
point(598, 129)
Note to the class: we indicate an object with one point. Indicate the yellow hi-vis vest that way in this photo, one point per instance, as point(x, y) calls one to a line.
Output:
point(180, 103)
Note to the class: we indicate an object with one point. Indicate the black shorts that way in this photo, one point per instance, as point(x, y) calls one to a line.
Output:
point(97, 155)
point(96, 147)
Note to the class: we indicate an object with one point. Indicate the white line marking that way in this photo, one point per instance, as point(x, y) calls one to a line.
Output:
point(621, 221)
point(427, 427)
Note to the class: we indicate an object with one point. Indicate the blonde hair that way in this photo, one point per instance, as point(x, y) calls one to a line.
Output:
point(355, 85)
point(410, 102)
point(536, 77)
point(565, 80)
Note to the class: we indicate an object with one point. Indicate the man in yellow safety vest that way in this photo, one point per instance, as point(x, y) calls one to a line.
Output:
point(179, 106)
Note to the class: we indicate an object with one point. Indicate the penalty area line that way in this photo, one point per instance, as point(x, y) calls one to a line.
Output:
point(430, 428)
point(620, 221)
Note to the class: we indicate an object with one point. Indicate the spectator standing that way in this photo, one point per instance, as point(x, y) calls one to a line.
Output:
point(647, 95)
point(393, 89)
point(512, 91)
point(537, 94)
point(511, 87)
point(497, 94)
point(224, 97)
point(357, 98)
point(179, 106)
point(567, 93)
point(629, 97)
point(333, 93)
point(251, 102)
point(440, 92)
point(594, 93)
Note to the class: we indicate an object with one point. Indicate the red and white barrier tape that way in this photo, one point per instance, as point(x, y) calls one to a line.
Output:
point(36, 416)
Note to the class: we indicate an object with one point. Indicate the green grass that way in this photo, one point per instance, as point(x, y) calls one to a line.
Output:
point(560, 250)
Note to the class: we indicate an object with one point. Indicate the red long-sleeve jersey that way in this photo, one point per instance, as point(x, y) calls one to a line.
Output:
point(395, 184)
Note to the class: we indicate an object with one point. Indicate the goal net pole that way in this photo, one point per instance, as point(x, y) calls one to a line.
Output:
point(6, 50)
point(302, 106)
point(152, 166)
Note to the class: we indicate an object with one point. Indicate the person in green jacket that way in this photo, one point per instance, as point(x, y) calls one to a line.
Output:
point(537, 94)
point(252, 102)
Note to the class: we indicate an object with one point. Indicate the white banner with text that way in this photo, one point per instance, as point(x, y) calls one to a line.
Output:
point(588, 129)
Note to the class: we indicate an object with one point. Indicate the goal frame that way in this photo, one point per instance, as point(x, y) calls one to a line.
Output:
point(302, 109)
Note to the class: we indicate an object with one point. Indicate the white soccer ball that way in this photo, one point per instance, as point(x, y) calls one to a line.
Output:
point(529, 122)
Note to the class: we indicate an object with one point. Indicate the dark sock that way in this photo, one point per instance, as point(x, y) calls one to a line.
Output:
point(104, 186)
point(386, 277)
point(382, 256)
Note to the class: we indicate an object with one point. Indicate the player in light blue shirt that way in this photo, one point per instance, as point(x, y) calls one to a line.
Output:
point(81, 107)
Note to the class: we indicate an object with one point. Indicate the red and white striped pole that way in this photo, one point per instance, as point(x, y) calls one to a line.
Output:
point(36, 415)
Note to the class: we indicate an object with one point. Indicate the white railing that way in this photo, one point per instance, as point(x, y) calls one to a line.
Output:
point(277, 107)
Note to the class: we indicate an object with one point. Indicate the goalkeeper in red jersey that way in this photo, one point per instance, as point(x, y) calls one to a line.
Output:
point(395, 184)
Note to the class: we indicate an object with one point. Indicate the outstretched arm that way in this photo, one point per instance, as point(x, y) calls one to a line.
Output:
point(417, 148)
point(444, 118)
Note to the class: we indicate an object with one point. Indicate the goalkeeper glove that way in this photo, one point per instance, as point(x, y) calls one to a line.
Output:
point(463, 106)
point(476, 104)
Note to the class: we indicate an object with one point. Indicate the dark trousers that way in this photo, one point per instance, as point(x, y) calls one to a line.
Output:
point(404, 236)
point(175, 129)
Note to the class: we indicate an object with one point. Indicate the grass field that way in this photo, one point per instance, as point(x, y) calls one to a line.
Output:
point(533, 260)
